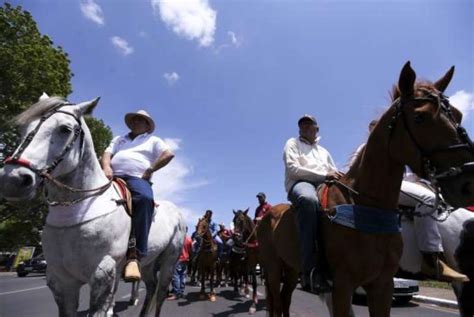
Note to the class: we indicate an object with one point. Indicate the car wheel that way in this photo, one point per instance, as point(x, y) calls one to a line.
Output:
point(403, 300)
point(22, 274)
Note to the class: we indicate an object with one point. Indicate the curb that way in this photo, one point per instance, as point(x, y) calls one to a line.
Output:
point(436, 301)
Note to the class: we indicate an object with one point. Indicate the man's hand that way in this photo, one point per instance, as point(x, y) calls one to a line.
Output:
point(147, 174)
point(108, 172)
point(334, 175)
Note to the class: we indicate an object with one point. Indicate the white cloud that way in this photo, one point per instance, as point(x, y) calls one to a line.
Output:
point(171, 78)
point(122, 45)
point(233, 39)
point(192, 19)
point(92, 11)
point(173, 181)
point(464, 101)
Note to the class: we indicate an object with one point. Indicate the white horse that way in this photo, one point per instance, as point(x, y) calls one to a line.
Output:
point(457, 234)
point(86, 232)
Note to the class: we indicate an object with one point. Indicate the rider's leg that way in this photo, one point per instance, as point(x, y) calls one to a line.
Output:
point(427, 233)
point(303, 196)
point(143, 208)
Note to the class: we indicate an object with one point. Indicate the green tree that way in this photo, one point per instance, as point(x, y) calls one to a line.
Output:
point(30, 64)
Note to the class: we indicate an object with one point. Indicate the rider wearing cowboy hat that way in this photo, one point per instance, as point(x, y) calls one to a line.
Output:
point(134, 157)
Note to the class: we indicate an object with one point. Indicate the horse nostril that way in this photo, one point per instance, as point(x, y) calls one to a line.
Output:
point(26, 180)
point(467, 189)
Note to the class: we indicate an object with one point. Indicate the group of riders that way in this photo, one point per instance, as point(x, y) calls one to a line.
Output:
point(135, 156)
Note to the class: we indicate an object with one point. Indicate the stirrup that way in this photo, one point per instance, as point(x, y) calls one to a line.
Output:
point(131, 272)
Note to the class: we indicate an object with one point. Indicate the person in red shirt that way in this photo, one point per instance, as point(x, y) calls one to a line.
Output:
point(179, 277)
point(263, 207)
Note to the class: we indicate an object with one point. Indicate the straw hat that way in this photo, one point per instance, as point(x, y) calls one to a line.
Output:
point(140, 113)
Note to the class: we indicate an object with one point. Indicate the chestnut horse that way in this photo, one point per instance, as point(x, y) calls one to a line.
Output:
point(207, 258)
point(420, 129)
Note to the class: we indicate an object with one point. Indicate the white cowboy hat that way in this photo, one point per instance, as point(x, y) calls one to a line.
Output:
point(144, 115)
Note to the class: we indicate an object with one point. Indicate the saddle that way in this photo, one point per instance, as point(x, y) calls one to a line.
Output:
point(125, 195)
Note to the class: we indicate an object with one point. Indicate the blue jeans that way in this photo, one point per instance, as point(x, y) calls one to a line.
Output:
point(303, 197)
point(143, 205)
point(179, 278)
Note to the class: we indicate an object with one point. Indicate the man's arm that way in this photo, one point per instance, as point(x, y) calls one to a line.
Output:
point(106, 157)
point(163, 160)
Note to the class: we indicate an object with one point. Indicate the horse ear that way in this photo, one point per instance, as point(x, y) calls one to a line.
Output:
point(444, 81)
point(43, 96)
point(406, 83)
point(85, 108)
point(234, 211)
point(246, 211)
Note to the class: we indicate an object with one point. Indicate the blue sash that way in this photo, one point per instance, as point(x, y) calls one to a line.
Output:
point(367, 219)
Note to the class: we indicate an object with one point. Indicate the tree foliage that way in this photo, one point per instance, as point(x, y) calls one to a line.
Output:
point(30, 64)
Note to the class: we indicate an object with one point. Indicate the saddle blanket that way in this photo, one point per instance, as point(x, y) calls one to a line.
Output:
point(367, 219)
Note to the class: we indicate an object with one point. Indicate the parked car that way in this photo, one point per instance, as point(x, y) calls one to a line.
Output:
point(33, 265)
point(403, 290)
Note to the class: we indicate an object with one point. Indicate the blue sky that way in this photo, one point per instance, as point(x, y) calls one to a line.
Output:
point(227, 80)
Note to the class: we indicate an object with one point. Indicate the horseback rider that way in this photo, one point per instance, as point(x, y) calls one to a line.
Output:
point(307, 165)
point(263, 207)
point(134, 157)
point(416, 193)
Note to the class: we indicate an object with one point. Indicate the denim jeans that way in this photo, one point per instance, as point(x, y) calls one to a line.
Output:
point(179, 278)
point(143, 205)
point(303, 197)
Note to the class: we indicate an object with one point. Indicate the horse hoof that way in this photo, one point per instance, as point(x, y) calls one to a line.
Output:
point(252, 310)
point(212, 298)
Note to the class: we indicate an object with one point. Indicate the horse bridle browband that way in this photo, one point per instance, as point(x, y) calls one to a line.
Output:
point(45, 172)
point(466, 143)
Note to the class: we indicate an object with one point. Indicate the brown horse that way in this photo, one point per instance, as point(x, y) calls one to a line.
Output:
point(207, 258)
point(244, 254)
point(420, 129)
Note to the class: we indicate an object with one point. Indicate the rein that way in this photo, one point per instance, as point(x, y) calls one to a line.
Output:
point(45, 172)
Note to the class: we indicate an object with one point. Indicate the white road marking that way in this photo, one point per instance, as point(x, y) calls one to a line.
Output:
point(23, 290)
point(129, 295)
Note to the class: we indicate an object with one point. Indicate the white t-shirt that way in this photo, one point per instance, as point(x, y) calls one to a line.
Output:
point(133, 157)
point(304, 161)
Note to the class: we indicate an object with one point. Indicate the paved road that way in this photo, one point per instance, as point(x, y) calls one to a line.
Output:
point(29, 296)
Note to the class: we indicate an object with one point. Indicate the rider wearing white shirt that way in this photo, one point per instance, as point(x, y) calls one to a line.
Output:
point(307, 165)
point(134, 157)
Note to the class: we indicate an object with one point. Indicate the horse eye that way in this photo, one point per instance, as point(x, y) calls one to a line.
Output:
point(65, 129)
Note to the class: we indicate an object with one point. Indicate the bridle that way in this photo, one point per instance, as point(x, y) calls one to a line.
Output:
point(429, 170)
point(45, 172)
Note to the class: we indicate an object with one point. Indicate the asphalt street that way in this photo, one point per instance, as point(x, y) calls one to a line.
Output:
point(29, 296)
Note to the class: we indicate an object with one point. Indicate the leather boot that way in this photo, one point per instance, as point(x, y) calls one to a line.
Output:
point(434, 267)
point(131, 272)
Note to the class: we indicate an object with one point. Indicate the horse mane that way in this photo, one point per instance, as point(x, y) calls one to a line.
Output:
point(38, 109)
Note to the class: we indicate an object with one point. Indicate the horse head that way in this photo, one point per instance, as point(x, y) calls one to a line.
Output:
point(425, 133)
point(202, 227)
point(55, 139)
point(243, 225)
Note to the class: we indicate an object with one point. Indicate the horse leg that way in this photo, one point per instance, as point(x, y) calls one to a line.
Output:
point(149, 276)
point(65, 291)
point(379, 297)
point(253, 307)
point(134, 294)
point(274, 303)
point(212, 295)
point(464, 294)
point(342, 296)
point(289, 284)
point(167, 263)
point(102, 287)
point(203, 273)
